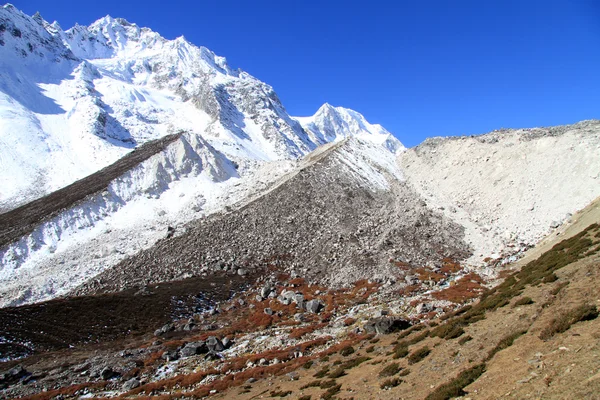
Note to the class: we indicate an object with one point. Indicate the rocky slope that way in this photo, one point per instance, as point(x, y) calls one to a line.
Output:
point(508, 188)
point(534, 335)
point(75, 101)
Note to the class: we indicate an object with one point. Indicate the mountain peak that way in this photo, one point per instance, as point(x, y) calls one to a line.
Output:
point(331, 123)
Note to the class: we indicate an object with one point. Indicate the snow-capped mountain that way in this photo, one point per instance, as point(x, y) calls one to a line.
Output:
point(331, 124)
point(74, 101)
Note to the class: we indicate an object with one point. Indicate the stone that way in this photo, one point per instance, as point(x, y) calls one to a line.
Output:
point(298, 298)
point(214, 344)
point(259, 297)
point(227, 343)
point(107, 373)
point(385, 325)
point(131, 384)
point(265, 291)
point(314, 306)
point(12, 376)
point(164, 329)
point(194, 348)
point(268, 311)
point(242, 272)
point(424, 308)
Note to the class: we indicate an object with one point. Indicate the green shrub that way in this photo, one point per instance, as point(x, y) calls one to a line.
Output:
point(523, 301)
point(506, 341)
point(400, 350)
point(321, 374)
point(390, 383)
point(328, 384)
point(418, 355)
point(464, 339)
point(311, 384)
point(346, 351)
point(455, 387)
point(332, 391)
point(390, 370)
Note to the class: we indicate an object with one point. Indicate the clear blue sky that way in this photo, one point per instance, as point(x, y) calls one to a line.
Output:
point(420, 68)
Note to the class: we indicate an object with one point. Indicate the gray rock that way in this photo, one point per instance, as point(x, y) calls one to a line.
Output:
point(268, 311)
point(108, 373)
point(242, 272)
point(12, 376)
point(169, 356)
point(385, 325)
point(314, 306)
point(214, 344)
point(298, 298)
point(164, 329)
point(424, 308)
point(227, 343)
point(131, 384)
point(193, 348)
point(259, 297)
point(265, 291)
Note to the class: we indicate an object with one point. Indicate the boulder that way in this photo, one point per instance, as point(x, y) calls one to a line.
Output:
point(170, 355)
point(227, 343)
point(314, 306)
point(108, 373)
point(194, 348)
point(13, 376)
point(265, 291)
point(164, 329)
point(385, 325)
point(268, 311)
point(214, 344)
point(424, 308)
point(131, 384)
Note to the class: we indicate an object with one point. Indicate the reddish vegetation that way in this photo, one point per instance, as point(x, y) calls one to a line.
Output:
point(410, 290)
point(450, 266)
point(426, 275)
point(299, 332)
point(349, 321)
point(400, 264)
point(466, 288)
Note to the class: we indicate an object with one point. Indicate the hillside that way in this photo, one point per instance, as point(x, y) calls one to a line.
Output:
point(533, 335)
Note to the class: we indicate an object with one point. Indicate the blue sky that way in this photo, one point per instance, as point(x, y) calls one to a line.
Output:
point(419, 68)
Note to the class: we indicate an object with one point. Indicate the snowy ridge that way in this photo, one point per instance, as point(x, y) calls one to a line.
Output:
point(86, 96)
point(331, 124)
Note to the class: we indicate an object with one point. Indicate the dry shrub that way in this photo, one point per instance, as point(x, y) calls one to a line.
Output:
point(390, 370)
point(390, 383)
point(299, 332)
point(449, 266)
point(562, 323)
point(455, 387)
point(418, 355)
point(427, 275)
point(410, 290)
point(466, 288)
